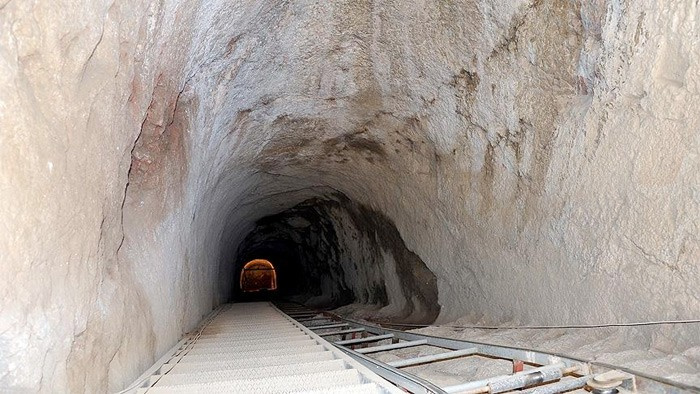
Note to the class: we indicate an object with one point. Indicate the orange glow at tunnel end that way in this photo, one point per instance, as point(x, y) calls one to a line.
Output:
point(258, 275)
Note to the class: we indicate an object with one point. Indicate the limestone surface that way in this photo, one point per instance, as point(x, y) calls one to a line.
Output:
point(539, 158)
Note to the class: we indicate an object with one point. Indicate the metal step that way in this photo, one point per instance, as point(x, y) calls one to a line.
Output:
point(238, 346)
point(286, 384)
point(322, 378)
point(234, 334)
point(224, 340)
point(248, 359)
point(251, 363)
point(226, 353)
point(253, 372)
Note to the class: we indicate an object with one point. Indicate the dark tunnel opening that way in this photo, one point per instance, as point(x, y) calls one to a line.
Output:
point(332, 252)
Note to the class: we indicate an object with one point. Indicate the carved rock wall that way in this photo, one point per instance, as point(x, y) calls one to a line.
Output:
point(540, 158)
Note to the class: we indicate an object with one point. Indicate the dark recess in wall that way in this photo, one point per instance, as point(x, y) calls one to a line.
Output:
point(333, 251)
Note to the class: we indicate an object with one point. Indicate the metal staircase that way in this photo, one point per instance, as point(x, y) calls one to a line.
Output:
point(254, 348)
point(263, 348)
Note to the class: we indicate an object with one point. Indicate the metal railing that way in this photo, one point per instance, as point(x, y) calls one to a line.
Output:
point(545, 373)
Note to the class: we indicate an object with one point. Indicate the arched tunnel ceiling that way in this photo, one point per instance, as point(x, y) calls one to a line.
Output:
point(515, 147)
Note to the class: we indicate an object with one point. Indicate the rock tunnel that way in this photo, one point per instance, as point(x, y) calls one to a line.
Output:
point(529, 162)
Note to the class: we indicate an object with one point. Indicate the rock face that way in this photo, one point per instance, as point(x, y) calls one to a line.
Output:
point(338, 252)
point(538, 158)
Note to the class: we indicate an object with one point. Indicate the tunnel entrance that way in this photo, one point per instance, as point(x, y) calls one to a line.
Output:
point(332, 252)
point(258, 275)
